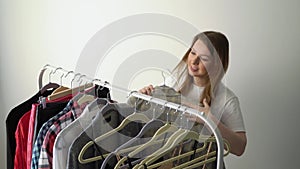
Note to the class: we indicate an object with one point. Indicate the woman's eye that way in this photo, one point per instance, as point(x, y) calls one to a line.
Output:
point(204, 58)
point(193, 53)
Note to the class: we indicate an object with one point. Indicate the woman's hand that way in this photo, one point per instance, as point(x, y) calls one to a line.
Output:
point(205, 109)
point(237, 140)
point(147, 90)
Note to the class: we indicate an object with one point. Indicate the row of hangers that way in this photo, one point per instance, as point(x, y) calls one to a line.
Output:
point(179, 134)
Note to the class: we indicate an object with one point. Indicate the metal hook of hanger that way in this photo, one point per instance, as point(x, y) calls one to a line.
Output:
point(57, 69)
point(176, 111)
point(148, 101)
point(162, 74)
point(80, 82)
point(163, 107)
point(49, 78)
point(77, 74)
point(68, 74)
point(181, 117)
point(154, 109)
point(85, 85)
point(45, 67)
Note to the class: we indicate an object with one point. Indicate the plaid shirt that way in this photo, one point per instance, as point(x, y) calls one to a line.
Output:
point(42, 133)
point(46, 153)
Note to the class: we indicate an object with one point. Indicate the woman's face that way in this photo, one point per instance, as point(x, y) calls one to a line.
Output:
point(198, 60)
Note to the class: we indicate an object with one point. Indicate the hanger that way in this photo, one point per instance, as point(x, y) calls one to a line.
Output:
point(69, 91)
point(204, 159)
point(63, 93)
point(154, 123)
point(156, 153)
point(167, 128)
point(186, 135)
point(48, 86)
point(85, 98)
point(60, 88)
point(195, 162)
point(173, 141)
point(132, 117)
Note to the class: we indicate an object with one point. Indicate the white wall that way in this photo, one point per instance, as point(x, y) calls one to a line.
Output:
point(264, 66)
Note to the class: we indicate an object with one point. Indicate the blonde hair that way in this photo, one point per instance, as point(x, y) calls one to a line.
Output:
point(218, 45)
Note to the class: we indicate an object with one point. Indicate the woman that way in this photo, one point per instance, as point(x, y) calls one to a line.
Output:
point(199, 79)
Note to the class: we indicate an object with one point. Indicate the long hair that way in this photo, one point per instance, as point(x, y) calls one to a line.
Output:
point(218, 45)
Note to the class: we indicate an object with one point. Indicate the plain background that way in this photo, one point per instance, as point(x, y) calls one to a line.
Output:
point(264, 66)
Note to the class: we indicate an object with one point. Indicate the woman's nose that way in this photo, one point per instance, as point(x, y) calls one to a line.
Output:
point(195, 60)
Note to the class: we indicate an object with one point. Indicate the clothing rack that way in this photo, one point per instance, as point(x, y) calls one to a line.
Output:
point(148, 98)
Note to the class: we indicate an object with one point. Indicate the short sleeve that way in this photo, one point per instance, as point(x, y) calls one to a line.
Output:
point(232, 117)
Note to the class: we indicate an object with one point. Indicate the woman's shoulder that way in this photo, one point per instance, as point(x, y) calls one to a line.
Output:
point(225, 92)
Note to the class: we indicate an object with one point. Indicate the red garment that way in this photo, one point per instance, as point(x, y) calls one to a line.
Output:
point(30, 135)
point(21, 142)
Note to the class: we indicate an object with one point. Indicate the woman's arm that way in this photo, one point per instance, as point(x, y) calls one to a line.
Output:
point(237, 140)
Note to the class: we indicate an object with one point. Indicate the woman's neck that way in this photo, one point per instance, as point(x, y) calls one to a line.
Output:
point(200, 81)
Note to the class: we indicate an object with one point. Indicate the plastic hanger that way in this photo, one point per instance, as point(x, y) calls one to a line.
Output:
point(179, 136)
point(154, 123)
point(154, 140)
point(204, 159)
point(156, 153)
point(167, 128)
point(85, 98)
point(48, 86)
point(61, 87)
point(133, 117)
point(69, 91)
point(179, 156)
point(195, 163)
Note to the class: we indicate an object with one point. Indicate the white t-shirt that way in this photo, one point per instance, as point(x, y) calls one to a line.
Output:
point(225, 106)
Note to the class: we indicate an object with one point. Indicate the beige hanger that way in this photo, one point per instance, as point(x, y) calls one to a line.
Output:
point(156, 153)
point(179, 156)
point(154, 140)
point(133, 117)
point(205, 159)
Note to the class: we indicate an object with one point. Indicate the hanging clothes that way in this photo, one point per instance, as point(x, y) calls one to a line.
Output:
point(106, 120)
point(43, 148)
point(86, 131)
point(65, 138)
point(12, 121)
